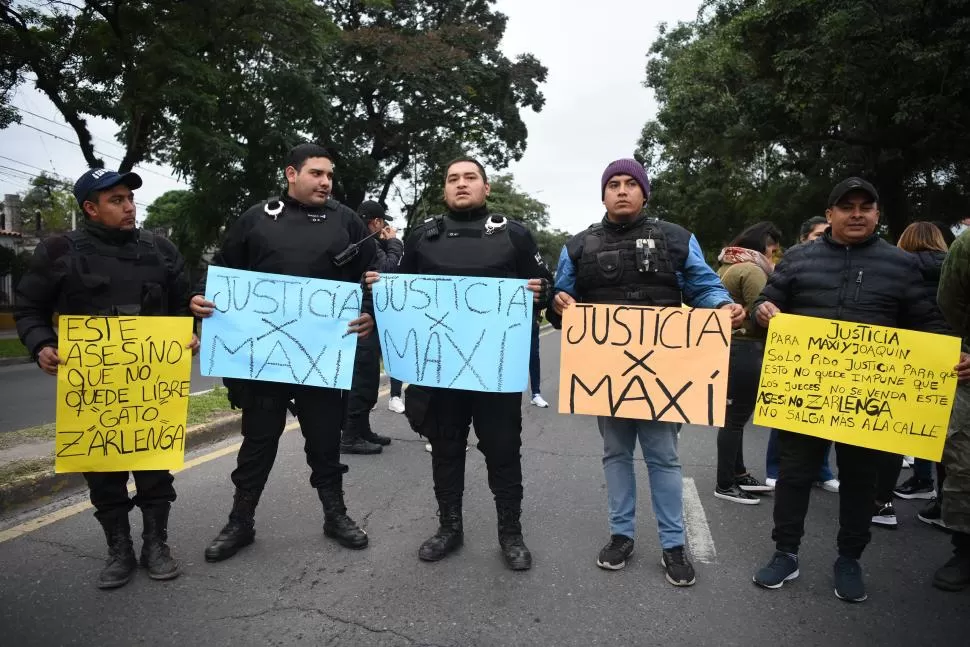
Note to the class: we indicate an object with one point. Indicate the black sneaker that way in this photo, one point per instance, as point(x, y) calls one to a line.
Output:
point(614, 554)
point(954, 575)
point(848, 580)
point(749, 483)
point(677, 568)
point(915, 488)
point(884, 516)
point(737, 495)
point(933, 515)
point(359, 446)
point(782, 568)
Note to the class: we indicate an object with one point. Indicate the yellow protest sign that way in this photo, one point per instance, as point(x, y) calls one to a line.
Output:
point(645, 363)
point(872, 386)
point(122, 393)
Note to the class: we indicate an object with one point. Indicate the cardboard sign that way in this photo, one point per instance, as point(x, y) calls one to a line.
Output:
point(122, 393)
point(280, 328)
point(455, 332)
point(871, 386)
point(645, 363)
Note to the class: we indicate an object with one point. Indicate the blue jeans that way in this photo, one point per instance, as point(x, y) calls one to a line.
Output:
point(658, 442)
point(534, 378)
point(772, 461)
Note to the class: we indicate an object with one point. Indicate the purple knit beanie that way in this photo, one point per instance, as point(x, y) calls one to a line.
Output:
point(629, 167)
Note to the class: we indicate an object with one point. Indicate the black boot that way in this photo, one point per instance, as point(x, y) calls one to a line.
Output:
point(357, 445)
point(155, 554)
point(121, 564)
point(336, 524)
point(239, 532)
point(376, 439)
point(516, 554)
point(450, 534)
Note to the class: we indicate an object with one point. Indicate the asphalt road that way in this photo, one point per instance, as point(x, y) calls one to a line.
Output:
point(293, 586)
point(28, 395)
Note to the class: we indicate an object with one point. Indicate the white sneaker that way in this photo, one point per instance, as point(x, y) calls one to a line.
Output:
point(396, 404)
point(771, 482)
point(427, 447)
point(831, 485)
point(539, 401)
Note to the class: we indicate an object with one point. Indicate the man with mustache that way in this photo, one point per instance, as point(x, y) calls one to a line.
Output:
point(629, 258)
point(301, 234)
point(109, 267)
point(468, 240)
point(849, 274)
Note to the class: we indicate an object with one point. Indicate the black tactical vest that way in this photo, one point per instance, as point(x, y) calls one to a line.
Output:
point(630, 267)
point(466, 248)
point(105, 279)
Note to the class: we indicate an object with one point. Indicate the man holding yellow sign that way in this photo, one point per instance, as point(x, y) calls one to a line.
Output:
point(120, 419)
point(849, 275)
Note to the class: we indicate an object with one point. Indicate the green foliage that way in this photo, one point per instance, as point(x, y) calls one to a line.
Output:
point(50, 200)
point(765, 105)
point(176, 214)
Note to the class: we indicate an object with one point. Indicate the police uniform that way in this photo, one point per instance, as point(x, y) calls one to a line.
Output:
point(472, 243)
point(286, 237)
point(358, 436)
point(97, 270)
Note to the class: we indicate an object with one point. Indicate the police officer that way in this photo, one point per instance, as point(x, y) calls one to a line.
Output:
point(109, 267)
point(304, 233)
point(358, 437)
point(631, 258)
point(469, 241)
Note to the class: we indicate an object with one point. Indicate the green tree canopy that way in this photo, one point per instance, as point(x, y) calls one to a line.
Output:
point(764, 105)
point(50, 204)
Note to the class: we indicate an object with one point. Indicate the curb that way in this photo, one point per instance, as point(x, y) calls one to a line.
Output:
point(12, 361)
point(44, 487)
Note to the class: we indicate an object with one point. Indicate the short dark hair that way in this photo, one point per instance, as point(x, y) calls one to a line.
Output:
point(756, 237)
point(299, 154)
point(809, 225)
point(457, 160)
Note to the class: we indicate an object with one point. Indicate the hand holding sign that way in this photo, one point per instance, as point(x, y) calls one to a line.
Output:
point(281, 328)
point(122, 393)
point(871, 386)
point(456, 332)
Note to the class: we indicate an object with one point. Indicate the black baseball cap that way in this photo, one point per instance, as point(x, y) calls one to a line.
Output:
point(852, 184)
point(99, 179)
point(369, 209)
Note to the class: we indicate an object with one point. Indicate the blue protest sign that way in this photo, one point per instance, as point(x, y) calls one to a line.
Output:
point(279, 328)
point(456, 332)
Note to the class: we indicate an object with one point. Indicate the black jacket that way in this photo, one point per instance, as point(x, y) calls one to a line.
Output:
point(930, 266)
point(63, 278)
point(389, 254)
point(298, 241)
point(871, 282)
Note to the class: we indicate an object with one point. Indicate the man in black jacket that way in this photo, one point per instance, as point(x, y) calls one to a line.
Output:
point(358, 437)
point(301, 234)
point(470, 241)
point(109, 267)
point(849, 274)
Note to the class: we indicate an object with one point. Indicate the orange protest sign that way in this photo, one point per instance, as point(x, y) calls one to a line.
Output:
point(645, 363)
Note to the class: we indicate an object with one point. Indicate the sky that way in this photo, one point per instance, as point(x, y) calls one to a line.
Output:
point(595, 107)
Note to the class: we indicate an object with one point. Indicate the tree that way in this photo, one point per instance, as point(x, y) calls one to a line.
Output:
point(172, 214)
point(413, 81)
point(146, 65)
point(50, 203)
point(764, 105)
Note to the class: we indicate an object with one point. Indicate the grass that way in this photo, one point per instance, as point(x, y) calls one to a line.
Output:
point(202, 408)
point(19, 469)
point(12, 348)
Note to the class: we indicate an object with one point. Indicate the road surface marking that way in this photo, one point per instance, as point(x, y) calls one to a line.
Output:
point(698, 532)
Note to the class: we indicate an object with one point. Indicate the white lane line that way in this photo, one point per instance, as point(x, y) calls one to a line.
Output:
point(698, 532)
